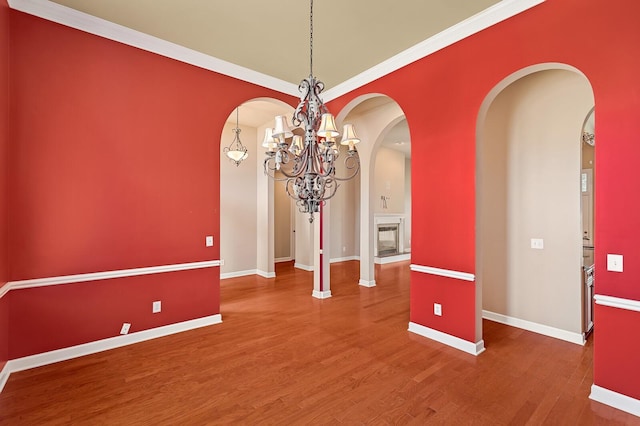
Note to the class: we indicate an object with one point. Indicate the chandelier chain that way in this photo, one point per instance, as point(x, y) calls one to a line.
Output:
point(311, 41)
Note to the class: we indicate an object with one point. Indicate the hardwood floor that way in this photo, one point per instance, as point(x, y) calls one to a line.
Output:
point(283, 357)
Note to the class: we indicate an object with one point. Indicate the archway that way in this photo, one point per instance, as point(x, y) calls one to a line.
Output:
point(528, 232)
point(374, 115)
point(248, 243)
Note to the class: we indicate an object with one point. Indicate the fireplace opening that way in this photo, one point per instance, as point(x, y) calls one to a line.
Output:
point(388, 239)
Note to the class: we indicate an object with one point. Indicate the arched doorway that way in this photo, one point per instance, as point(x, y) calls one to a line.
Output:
point(528, 217)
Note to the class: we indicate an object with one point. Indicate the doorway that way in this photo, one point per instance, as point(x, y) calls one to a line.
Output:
point(529, 237)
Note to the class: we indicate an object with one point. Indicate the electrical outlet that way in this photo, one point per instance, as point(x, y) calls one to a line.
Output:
point(208, 240)
point(537, 243)
point(221, 262)
point(125, 328)
point(157, 307)
point(437, 309)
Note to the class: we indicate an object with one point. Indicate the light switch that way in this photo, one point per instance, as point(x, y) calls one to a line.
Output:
point(614, 262)
point(209, 240)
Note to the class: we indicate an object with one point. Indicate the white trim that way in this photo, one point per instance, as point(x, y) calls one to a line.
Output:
point(265, 274)
point(321, 294)
point(235, 274)
point(617, 302)
point(100, 27)
point(283, 259)
point(38, 360)
point(4, 376)
point(106, 275)
point(447, 339)
point(4, 289)
point(465, 276)
point(109, 30)
point(478, 22)
point(392, 259)
point(344, 259)
point(557, 333)
point(303, 267)
point(615, 400)
point(365, 283)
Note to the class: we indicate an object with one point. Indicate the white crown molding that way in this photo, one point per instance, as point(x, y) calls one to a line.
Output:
point(84, 22)
point(568, 336)
point(95, 276)
point(499, 12)
point(464, 276)
point(492, 15)
point(615, 400)
point(38, 360)
point(616, 302)
point(447, 339)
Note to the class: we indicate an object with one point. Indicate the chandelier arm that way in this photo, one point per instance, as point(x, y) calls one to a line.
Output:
point(355, 167)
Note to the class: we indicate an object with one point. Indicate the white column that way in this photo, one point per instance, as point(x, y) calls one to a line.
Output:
point(265, 263)
point(367, 240)
point(321, 253)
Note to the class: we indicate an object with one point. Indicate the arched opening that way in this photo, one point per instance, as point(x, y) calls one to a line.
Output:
point(384, 191)
point(251, 238)
point(529, 243)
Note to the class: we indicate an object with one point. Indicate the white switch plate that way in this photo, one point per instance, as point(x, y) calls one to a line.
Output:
point(614, 262)
point(537, 243)
point(437, 309)
point(125, 328)
point(157, 307)
point(209, 240)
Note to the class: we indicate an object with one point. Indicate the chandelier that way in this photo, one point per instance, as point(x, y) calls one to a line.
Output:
point(236, 151)
point(307, 164)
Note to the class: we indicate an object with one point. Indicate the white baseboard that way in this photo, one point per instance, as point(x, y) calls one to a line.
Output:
point(344, 259)
point(447, 339)
point(392, 259)
point(283, 259)
point(321, 294)
point(265, 274)
point(615, 400)
point(568, 336)
point(303, 267)
point(365, 283)
point(4, 376)
point(38, 360)
point(236, 274)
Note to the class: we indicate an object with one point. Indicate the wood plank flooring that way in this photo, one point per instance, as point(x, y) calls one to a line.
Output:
point(282, 357)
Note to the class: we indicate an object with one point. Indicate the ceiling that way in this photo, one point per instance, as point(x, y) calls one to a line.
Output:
point(272, 37)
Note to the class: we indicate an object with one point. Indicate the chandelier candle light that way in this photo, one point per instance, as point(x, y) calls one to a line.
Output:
point(236, 151)
point(308, 163)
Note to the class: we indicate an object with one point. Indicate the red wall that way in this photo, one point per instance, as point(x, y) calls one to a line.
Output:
point(4, 141)
point(441, 96)
point(114, 164)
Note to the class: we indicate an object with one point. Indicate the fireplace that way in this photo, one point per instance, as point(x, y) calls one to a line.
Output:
point(388, 239)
